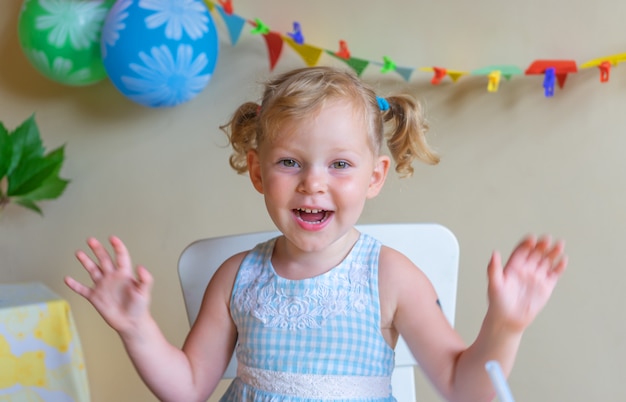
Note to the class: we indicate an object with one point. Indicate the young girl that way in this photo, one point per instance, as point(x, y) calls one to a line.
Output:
point(315, 313)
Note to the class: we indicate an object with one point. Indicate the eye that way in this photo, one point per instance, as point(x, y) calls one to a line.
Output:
point(288, 163)
point(340, 165)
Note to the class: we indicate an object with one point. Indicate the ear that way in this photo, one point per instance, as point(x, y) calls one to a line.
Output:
point(254, 170)
point(379, 175)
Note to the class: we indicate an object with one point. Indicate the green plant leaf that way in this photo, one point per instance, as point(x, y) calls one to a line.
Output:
point(26, 143)
point(52, 187)
point(26, 174)
point(33, 172)
point(30, 205)
point(6, 150)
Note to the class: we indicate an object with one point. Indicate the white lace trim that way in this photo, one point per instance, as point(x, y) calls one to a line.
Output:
point(334, 294)
point(315, 386)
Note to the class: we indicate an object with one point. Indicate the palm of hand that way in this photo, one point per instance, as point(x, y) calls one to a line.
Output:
point(117, 295)
point(118, 299)
point(520, 290)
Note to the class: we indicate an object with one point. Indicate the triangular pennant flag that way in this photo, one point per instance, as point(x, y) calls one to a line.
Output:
point(310, 54)
point(605, 64)
point(613, 59)
point(441, 72)
point(234, 23)
point(507, 71)
point(455, 75)
point(274, 43)
point(405, 72)
point(358, 65)
point(560, 78)
point(561, 68)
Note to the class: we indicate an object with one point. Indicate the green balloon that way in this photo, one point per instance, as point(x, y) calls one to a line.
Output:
point(61, 38)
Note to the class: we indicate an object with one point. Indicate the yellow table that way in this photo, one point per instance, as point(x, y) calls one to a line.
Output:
point(40, 354)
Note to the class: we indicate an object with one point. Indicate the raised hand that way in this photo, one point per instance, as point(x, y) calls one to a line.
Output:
point(117, 294)
point(520, 290)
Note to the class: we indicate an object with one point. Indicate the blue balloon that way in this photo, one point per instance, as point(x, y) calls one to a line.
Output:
point(159, 53)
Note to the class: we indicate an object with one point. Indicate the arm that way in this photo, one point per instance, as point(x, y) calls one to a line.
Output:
point(517, 293)
point(172, 374)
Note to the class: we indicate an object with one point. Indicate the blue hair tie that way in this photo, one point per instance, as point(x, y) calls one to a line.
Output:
point(382, 103)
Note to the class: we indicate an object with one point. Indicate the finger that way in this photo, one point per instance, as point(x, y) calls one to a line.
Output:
point(77, 287)
point(91, 267)
point(529, 241)
point(122, 257)
point(552, 255)
point(104, 259)
point(556, 251)
point(522, 251)
point(560, 267)
point(543, 244)
point(494, 269)
point(539, 255)
point(145, 279)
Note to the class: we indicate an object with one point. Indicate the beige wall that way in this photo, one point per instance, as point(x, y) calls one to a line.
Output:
point(513, 162)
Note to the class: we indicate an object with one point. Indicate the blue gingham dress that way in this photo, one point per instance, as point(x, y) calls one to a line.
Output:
point(316, 339)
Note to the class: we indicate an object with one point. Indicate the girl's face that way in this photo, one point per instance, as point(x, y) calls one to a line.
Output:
point(316, 176)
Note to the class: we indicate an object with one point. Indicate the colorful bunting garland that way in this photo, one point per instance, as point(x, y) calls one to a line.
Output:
point(554, 71)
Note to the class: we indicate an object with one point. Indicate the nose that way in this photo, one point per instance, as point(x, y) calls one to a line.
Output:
point(313, 181)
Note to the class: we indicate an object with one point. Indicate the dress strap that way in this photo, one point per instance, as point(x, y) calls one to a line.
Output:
point(315, 386)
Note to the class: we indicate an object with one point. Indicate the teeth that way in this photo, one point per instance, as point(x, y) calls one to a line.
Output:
point(310, 211)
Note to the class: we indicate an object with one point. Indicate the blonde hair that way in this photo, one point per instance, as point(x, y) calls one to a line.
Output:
point(300, 93)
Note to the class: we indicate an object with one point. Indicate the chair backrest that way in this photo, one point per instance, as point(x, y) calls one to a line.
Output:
point(431, 247)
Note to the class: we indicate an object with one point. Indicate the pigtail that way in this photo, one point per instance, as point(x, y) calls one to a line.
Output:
point(242, 134)
point(406, 136)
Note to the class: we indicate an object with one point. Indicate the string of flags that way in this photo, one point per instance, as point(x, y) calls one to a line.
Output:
point(554, 72)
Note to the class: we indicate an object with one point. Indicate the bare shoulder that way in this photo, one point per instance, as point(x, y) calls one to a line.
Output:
point(229, 268)
point(217, 294)
point(396, 269)
point(223, 280)
point(401, 284)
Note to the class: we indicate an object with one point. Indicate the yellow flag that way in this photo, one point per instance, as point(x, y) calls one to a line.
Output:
point(310, 54)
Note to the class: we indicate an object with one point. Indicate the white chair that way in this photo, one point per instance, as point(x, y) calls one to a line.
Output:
point(431, 247)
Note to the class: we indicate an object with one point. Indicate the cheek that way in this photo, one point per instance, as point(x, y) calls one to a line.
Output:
point(353, 187)
point(277, 183)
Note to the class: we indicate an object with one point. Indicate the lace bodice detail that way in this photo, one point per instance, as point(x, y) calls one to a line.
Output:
point(335, 294)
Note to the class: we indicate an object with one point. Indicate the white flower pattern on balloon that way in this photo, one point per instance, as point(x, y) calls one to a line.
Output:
point(115, 23)
point(78, 22)
point(165, 79)
point(178, 16)
point(59, 67)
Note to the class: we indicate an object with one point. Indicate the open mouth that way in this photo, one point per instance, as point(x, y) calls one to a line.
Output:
point(312, 215)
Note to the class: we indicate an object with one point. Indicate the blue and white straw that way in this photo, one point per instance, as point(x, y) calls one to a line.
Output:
point(499, 381)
